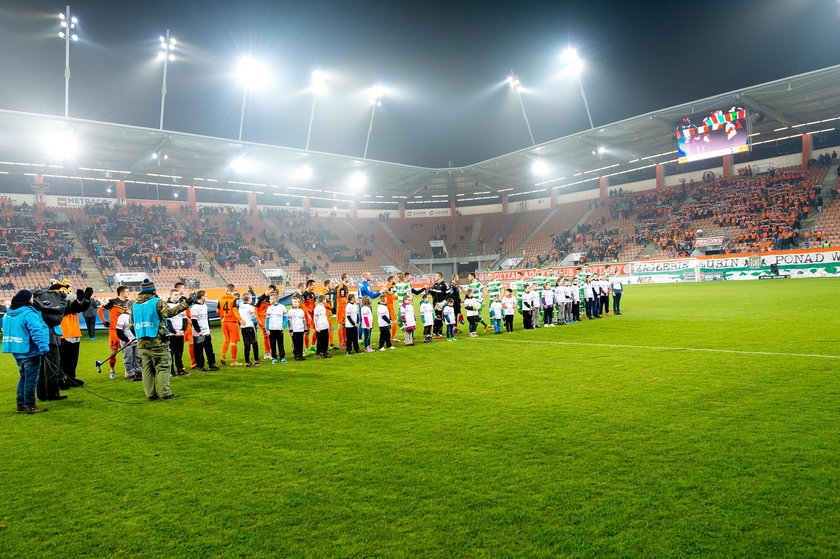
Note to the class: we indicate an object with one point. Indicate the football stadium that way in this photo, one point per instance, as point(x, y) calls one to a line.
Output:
point(358, 329)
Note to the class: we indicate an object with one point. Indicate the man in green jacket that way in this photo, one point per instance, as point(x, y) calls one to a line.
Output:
point(148, 319)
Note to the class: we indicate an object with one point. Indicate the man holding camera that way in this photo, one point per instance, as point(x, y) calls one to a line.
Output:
point(148, 319)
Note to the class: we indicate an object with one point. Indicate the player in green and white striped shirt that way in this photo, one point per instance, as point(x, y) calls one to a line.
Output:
point(479, 295)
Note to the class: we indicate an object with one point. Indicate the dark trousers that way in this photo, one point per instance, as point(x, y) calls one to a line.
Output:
point(576, 310)
point(509, 322)
point(352, 342)
point(605, 304)
point(438, 327)
point(427, 333)
point(202, 348)
point(590, 308)
point(91, 326)
point(616, 303)
point(548, 315)
point(526, 320)
point(297, 344)
point(275, 340)
point(50, 376)
point(322, 341)
point(473, 321)
point(69, 357)
point(384, 336)
point(176, 348)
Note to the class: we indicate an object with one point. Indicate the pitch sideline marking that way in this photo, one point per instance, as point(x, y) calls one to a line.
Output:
point(713, 350)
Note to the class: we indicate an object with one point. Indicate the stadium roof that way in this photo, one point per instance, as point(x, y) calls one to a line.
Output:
point(779, 110)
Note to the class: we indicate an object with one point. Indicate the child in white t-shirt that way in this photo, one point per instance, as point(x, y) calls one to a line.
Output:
point(449, 319)
point(248, 328)
point(322, 329)
point(509, 304)
point(297, 326)
point(496, 314)
point(275, 323)
point(409, 322)
point(367, 322)
point(351, 325)
point(427, 317)
point(471, 305)
point(131, 358)
point(383, 314)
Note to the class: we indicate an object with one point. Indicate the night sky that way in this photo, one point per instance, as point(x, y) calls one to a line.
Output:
point(445, 63)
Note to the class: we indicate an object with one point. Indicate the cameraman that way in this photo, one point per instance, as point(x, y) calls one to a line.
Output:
point(148, 319)
point(27, 337)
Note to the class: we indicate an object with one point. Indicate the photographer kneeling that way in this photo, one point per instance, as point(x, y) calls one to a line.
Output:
point(148, 316)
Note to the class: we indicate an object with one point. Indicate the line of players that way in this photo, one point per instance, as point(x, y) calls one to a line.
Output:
point(540, 301)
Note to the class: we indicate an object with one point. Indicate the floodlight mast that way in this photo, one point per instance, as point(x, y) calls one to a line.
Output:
point(515, 84)
point(68, 23)
point(375, 102)
point(166, 44)
point(574, 64)
point(317, 88)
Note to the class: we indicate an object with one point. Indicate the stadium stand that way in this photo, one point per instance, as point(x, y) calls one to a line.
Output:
point(35, 247)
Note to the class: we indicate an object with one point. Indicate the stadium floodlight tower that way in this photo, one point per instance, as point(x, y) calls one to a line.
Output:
point(251, 75)
point(67, 33)
point(516, 86)
point(574, 65)
point(318, 87)
point(376, 100)
point(167, 43)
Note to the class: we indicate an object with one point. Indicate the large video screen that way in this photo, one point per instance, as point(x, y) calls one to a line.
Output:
point(712, 135)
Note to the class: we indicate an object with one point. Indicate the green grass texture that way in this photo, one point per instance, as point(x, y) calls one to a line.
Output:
point(607, 438)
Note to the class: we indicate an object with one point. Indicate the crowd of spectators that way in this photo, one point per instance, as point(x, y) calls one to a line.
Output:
point(34, 242)
point(134, 236)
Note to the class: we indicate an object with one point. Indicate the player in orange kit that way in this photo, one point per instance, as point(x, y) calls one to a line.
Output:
point(229, 312)
point(308, 305)
point(115, 308)
point(390, 299)
point(341, 293)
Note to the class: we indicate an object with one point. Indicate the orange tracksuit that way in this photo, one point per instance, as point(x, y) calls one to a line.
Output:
point(229, 311)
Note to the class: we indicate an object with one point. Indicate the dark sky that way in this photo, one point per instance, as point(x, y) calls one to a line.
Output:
point(444, 61)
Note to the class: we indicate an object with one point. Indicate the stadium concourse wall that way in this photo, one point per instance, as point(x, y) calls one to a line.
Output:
point(805, 263)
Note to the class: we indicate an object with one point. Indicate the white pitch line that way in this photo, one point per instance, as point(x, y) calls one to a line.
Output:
point(668, 348)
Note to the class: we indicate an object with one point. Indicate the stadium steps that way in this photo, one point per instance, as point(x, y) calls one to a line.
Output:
point(397, 241)
point(585, 217)
point(390, 233)
point(94, 275)
point(825, 191)
point(297, 253)
point(535, 230)
point(476, 234)
point(212, 271)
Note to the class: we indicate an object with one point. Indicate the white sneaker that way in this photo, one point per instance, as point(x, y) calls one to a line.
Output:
point(381, 349)
point(267, 356)
point(392, 347)
point(113, 375)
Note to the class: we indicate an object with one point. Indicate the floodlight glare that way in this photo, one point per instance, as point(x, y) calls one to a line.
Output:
point(377, 92)
point(304, 173)
point(358, 180)
point(74, 37)
point(61, 34)
point(61, 146)
point(540, 167)
point(514, 83)
point(74, 20)
point(241, 165)
point(602, 149)
point(250, 73)
point(61, 16)
point(319, 85)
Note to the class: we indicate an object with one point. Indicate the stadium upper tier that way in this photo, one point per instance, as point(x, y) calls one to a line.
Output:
point(151, 161)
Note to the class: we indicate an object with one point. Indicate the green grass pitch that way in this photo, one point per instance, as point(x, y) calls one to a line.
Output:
point(607, 445)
